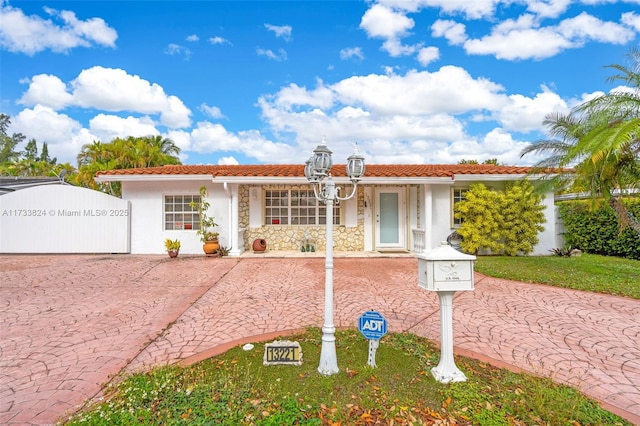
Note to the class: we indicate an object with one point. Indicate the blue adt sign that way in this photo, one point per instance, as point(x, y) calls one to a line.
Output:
point(372, 325)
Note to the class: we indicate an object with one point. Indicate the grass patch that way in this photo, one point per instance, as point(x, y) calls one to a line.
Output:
point(588, 272)
point(236, 389)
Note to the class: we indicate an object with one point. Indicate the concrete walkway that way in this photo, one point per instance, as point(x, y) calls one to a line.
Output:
point(68, 324)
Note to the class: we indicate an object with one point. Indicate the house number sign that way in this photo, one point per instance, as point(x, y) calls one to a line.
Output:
point(282, 352)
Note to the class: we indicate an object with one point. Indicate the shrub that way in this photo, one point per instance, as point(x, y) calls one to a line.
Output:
point(504, 222)
point(594, 228)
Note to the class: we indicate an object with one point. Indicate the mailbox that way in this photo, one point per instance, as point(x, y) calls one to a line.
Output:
point(445, 269)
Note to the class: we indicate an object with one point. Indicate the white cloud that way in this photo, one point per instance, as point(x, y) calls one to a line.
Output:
point(192, 38)
point(512, 39)
point(497, 143)
point(211, 111)
point(33, 34)
point(427, 125)
point(585, 27)
point(426, 55)
point(280, 56)
point(294, 95)
point(255, 145)
point(182, 139)
point(108, 89)
point(47, 90)
point(448, 90)
point(631, 19)
point(548, 8)
point(228, 161)
point(395, 48)
point(524, 39)
point(471, 9)
point(176, 49)
point(218, 40)
point(112, 89)
point(383, 22)
point(107, 127)
point(94, 29)
point(174, 113)
point(281, 31)
point(351, 52)
point(454, 32)
point(64, 136)
point(370, 113)
point(209, 137)
point(523, 114)
point(521, 44)
point(351, 113)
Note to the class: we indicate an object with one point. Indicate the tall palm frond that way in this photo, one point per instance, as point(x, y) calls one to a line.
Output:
point(601, 140)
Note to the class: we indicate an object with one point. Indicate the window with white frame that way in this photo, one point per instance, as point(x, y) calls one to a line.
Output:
point(296, 207)
point(457, 195)
point(178, 213)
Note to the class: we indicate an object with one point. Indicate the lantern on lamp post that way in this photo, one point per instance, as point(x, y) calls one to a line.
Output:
point(317, 170)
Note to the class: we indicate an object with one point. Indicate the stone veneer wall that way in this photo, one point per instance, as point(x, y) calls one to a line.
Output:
point(289, 237)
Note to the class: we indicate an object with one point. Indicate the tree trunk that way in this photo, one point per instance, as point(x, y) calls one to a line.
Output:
point(625, 217)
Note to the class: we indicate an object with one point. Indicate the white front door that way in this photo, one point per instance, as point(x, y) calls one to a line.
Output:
point(390, 219)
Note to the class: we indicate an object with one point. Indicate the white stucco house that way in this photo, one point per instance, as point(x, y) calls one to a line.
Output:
point(397, 207)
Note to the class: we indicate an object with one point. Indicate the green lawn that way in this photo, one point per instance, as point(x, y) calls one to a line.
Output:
point(236, 389)
point(588, 272)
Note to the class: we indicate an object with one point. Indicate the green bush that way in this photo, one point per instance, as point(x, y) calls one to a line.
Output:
point(594, 228)
point(504, 222)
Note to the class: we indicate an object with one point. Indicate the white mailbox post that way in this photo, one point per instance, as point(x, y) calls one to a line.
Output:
point(446, 270)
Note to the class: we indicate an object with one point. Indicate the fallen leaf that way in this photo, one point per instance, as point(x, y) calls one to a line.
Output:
point(446, 403)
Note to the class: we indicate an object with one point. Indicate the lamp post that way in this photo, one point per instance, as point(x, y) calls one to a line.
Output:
point(317, 169)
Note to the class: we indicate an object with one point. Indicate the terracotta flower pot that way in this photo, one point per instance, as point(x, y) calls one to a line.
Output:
point(259, 245)
point(173, 253)
point(211, 247)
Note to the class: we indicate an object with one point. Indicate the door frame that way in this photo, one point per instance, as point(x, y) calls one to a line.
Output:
point(401, 244)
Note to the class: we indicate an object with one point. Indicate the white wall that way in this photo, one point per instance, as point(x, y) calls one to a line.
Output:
point(441, 226)
point(63, 219)
point(147, 205)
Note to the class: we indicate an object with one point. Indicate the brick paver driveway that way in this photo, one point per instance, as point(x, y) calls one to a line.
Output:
point(69, 323)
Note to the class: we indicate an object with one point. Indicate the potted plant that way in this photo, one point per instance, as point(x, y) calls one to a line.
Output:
point(208, 237)
point(172, 247)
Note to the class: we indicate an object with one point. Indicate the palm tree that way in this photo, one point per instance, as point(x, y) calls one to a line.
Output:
point(165, 145)
point(123, 153)
point(601, 140)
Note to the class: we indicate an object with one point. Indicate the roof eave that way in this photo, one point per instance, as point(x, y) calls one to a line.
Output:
point(489, 177)
point(413, 180)
point(300, 180)
point(155, 178)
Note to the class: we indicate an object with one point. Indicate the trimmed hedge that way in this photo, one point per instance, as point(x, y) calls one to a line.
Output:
point(595, 229)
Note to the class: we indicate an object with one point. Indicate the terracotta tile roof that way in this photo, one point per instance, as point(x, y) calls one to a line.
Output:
point(297, 170)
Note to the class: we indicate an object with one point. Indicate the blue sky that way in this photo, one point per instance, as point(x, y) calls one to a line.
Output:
point(250, 82)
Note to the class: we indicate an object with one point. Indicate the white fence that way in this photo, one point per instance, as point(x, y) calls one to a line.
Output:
point(63, 219)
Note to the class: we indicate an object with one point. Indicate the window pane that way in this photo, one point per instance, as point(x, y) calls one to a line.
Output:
point(179, 214)
point(296, 207)
point(458, 195)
